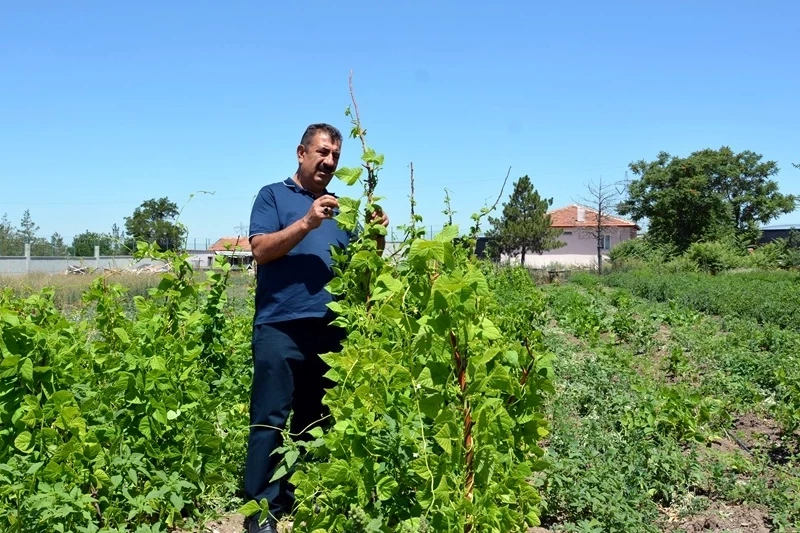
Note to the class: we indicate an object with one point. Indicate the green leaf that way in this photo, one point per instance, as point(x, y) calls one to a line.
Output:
point(176, 501)
point(349, 175)
point(122, 335)
point(447, 234)
point(489, 331)
point(249, 509)
point(24, 442)
point(26, 370)
point(279, 472)
point(386, 488)
point(11, 319)
point(445, 438)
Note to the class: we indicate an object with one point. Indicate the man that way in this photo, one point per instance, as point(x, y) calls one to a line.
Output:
point(291, 233)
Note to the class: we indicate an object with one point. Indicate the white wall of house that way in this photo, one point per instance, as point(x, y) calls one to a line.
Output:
point(555, 260)
point(580, 241)
point(580, 250)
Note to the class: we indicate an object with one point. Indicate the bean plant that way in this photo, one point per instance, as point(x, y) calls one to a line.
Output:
point(437, 408)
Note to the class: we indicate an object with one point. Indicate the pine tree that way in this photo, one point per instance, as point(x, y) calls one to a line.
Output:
point(525, 225)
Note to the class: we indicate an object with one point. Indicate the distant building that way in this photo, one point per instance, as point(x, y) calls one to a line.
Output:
point(781, 231)
point(237, 249)
point(578, 224)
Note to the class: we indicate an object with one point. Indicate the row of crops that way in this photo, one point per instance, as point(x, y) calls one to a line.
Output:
point(667, 418)
point(130, 414)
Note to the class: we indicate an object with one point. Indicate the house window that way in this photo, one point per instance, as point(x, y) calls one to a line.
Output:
point(606, 242)
point(567, 233)
point(210, 259)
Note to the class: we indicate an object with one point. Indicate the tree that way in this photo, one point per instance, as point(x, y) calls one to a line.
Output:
point(601, 199)
point(710, 194)
point(153, 221)
point(27, 228)
point(525, 225)
point(57, 244)
point(83, 244)
point(10, 241)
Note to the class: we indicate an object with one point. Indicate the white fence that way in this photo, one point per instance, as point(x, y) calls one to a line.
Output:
point(16, 265)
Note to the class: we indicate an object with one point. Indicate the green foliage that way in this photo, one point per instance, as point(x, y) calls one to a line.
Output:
point(83, 244)
point(123, 419)
point(437, 405)
point(154, 222)
point(714, 257)
point(641, 249)
point(632, 431)
point(767, 297)
point(13, 240)
point(524, 226)
point(707, 195)
point(27, 227)
point(783, 253)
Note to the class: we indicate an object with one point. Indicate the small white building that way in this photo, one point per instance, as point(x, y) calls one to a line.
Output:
point(579, 224)
point(237, 249)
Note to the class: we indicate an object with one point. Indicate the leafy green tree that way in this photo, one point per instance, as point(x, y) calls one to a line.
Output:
point(83, 244)
point(154, 222)
point(710, 194)
point(524, 226)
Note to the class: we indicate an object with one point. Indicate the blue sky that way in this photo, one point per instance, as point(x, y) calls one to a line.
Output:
point(106, 104)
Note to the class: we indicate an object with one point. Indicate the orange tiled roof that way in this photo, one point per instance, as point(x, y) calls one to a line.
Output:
point(567, 217)
point(222, 244)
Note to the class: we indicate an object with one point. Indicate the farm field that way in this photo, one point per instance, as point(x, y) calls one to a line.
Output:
point(129, 413)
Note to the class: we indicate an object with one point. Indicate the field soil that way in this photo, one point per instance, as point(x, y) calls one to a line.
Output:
point(720, 517)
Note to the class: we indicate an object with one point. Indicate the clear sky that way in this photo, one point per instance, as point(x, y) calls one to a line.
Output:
point(106, 104)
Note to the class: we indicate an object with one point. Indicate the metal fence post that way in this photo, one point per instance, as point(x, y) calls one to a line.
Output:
point(27, 257)
point(97, 256)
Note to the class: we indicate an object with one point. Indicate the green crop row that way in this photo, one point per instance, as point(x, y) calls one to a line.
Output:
point(132, 417)
point(766, 297)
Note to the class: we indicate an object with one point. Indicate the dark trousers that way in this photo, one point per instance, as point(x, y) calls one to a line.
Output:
point(288, 376)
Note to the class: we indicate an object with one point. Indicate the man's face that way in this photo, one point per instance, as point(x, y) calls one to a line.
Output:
point(318, 162)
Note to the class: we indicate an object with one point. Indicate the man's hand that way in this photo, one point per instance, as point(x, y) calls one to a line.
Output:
point(380, 216)
point(380, 240)
point(321, 209)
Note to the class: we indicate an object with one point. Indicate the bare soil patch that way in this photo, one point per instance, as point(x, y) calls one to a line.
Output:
point(721, 517)
point(233, 523)
point(757, 433)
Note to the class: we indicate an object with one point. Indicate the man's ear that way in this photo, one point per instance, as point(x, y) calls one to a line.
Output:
point(301, 153)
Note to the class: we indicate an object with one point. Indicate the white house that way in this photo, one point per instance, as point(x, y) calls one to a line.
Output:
point(579, 224)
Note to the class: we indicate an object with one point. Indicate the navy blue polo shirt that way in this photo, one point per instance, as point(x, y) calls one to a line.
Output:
point(293, 286)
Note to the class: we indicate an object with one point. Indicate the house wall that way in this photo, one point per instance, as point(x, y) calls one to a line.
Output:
point(555, 260)
point(579, 241)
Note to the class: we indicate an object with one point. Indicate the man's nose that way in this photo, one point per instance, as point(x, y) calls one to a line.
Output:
point(329, 161)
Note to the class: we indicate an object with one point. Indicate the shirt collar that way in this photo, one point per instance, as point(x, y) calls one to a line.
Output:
point(289, 182)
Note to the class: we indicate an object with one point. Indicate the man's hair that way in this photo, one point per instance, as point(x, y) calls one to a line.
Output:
point(313, 129)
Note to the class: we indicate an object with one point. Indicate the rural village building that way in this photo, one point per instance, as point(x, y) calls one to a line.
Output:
point(578, 224)
point(236, 248)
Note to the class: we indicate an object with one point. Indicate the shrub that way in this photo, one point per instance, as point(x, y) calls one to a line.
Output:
point(642, 249)
point(714, 257)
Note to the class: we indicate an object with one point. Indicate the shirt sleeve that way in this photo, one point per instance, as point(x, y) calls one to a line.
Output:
point(264, 216)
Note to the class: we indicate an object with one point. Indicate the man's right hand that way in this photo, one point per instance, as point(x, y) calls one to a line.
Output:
point(321, 209)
